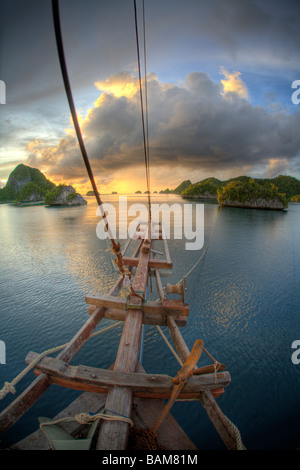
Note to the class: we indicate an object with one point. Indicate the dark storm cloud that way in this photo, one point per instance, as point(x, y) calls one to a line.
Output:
point(255, 24)
point(99, 39)
point(192, 126)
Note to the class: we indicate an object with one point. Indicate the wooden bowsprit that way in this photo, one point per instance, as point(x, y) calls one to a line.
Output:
point(114, 435)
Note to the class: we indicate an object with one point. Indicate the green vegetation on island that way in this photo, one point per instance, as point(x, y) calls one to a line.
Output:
point(185, 184)
point(249, 194)
point(30, 192)
point(295, 198)
point(286, 186)
point(25, 184)
point(29, 185)
point(207, 188)
point(63, 195)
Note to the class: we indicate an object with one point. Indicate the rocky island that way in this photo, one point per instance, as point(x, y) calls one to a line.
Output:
point(251, 195)
point(205, 189)
point(25, 184)
point(178, 190)
point(29, 185)
point(247, 192)
point(63, 195)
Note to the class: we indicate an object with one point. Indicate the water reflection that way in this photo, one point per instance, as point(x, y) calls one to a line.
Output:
point(244, 300)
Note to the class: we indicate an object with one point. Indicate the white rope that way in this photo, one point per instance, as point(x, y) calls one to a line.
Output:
point(239, 442)
point(170, 346)
point(9, 387)
point(86, 418)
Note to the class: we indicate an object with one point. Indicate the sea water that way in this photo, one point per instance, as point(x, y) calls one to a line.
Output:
point(244, 298)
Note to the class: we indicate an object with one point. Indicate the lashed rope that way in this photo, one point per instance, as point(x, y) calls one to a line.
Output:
point(87, 418)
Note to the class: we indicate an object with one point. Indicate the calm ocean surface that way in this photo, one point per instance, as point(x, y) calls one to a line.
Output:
point(244, 298)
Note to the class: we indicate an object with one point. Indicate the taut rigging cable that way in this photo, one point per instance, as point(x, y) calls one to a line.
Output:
point(56, 19)
point(145, 138)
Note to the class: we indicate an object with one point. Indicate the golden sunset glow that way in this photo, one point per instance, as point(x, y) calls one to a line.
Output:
point(233, 83)
point(122, 84)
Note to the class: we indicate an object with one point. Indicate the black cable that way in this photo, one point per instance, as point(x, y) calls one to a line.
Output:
point(59, 42)
point(142, 107)
point(146, 97)
point(63, 66)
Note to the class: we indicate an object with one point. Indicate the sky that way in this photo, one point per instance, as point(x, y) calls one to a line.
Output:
point(219, 90)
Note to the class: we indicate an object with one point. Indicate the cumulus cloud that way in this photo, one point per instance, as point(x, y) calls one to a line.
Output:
point(192, 126)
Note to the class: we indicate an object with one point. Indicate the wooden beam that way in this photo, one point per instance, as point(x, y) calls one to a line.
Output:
point(179, 343)
point(158, 282)
point(148, 318)
point(113, 435)
point(165, 242)
point(154, 263)
point(99, 380)
point(33, 392)
point(169, 307)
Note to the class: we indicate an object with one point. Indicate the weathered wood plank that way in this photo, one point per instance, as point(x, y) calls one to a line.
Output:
point(113, 435)
point(120, 303)
point(178, 341)
point(148, 318)
point(154, 263)
point(138, 382)
point(165, 242)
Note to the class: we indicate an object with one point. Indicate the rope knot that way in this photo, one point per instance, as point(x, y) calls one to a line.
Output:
point(84, 418)
point(7, 388)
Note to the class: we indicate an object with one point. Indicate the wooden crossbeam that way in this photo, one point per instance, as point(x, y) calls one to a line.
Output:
point(143, 385)
point(153, 263)
point(152, 318)
point(120, 303)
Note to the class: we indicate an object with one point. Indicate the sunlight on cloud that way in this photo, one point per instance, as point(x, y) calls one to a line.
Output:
point(120, 84)
point(233, 83)
point(194, 130)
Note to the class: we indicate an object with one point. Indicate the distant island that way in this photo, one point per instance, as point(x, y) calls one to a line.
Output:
point(63, 195)
point(91, 193)
point(184, 185)
point(247, 192)
point(29, 185)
